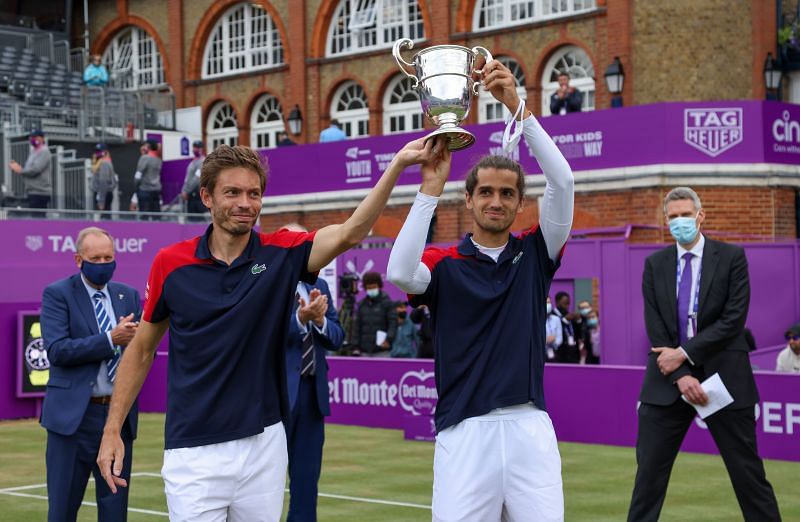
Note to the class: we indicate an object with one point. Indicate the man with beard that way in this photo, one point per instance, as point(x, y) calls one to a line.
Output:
point(226, 298)
point(496, 455)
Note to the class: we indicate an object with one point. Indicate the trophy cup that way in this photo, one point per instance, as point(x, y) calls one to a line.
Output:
point(443, 79)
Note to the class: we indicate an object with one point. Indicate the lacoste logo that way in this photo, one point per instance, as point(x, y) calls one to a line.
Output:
point(257, 269)
point(517, 258)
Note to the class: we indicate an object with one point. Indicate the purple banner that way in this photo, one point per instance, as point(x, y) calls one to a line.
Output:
point(589, 404)
point(667, 133)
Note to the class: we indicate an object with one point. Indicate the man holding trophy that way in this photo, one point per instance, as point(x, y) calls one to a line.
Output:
point(496, 453)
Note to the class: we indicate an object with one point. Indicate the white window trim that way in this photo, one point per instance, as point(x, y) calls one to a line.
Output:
point(379, 28)
point(221, 134)
point(268, 128)
point(405, 110)
point(249, 51)
point(351, 116)
point(157, 63)
point(538, 15)
point(586, 84)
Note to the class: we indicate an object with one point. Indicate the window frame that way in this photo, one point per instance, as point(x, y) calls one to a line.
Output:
point(135, 70)
point(264, 135)
point(486, 100)
point(586, 84)
point(216, 136)
point(384, 32)
point(349, 117)
point(502, 11)
point(221, 41)
point(406, 111)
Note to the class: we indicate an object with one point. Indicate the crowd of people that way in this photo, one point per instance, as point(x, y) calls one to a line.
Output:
point(572, 337)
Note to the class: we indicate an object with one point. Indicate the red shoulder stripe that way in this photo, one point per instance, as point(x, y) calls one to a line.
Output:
point(433, 255)
point(166, 261)
point(285, 238)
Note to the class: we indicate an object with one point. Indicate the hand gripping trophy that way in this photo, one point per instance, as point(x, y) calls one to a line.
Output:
point(443, 78)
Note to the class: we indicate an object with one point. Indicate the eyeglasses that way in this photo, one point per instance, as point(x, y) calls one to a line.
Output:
point(793, 338)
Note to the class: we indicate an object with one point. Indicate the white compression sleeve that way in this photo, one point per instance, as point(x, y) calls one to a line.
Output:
point(555, 214)
point(405, 269)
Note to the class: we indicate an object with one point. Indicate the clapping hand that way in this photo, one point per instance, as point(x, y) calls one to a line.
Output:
point(315, 309)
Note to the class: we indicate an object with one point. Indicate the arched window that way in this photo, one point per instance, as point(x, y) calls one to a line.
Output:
point(245, 38)
point(492, 14)
point(490, 109)
point(266, 122)
point(574, 61)
point(133, 60)
point(221, 126)
point(361, 25)
point(351, 109)
point(401, 108)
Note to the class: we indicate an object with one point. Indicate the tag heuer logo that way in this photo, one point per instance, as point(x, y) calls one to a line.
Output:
point(257, 269)
point(712, 131)
point(34, 243)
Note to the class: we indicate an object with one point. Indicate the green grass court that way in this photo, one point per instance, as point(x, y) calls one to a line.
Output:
point(374, 475)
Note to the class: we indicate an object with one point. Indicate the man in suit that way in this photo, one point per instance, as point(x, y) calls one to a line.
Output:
point(313, 329)
point(696, 296)
point(86, 322)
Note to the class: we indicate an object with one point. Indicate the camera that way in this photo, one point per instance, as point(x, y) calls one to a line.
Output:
point(348, 285)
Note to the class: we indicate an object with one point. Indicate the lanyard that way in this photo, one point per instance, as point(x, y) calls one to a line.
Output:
point(693, 315)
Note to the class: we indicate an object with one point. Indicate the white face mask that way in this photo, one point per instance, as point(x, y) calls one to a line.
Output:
point(373, 292)
point(549, 308)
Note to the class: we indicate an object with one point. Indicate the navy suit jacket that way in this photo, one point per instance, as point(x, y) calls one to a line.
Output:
point(332, 340)
point(75, 348)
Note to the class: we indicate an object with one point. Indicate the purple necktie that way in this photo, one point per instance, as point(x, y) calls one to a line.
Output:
point(684, 297)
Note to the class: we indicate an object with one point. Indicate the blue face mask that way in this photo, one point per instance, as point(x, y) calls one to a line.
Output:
point(591, 323)
point(98, 273)
point(683, 229)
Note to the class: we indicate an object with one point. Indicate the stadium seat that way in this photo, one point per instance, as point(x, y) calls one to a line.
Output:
point(18, 87)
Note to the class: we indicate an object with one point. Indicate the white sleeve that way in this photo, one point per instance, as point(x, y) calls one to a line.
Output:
point(555, 214)
point(405, 269)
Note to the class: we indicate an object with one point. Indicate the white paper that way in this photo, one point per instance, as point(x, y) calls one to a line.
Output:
point(380, 337)
point(718, 396)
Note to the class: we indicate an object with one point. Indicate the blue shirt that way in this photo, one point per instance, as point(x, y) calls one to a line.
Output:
point(488, 322)
point(332, 133)
point(405, 341)
point(227, 331)
point(103, 385)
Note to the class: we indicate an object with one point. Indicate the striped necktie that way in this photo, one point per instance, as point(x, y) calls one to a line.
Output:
point(104, 324)
point(308, 364)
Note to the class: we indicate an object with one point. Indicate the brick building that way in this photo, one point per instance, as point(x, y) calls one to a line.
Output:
point(247, 64)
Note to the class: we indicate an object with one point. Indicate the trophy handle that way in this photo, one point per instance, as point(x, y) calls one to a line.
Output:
point(483, 51)
point(402, 64)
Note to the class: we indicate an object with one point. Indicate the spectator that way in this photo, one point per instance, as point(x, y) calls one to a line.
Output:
point(190, 192)
point(591, 338)
point(405, 342)
point(376, 316)
point(284, 141)
point(568, 351)
point(552, 332)
point(36, 173)
point(333, 133)
point(104, 179)
point(95, 74)
point(579, 323)
point(87, 322)
point(566, 98)
point(789, 358)
point(421, 315)
point(148, 179)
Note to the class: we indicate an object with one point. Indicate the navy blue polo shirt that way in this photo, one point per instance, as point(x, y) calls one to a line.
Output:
point(488, 320)
point(227, 329)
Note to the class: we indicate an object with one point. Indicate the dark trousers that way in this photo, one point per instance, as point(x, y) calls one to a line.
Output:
point(71, 459)
point(108, 199)
point(305, 440)
point(661, 431)
point(149, 201)
point(194, 205)
point(38, 201)
point(567, 353)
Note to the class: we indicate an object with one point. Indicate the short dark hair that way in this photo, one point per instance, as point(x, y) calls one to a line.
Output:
point(152, 144)
point(496, 162)
point(372, 278)
point(559, 295)
point(227, 157)
point(335, 122)
point(563, 73)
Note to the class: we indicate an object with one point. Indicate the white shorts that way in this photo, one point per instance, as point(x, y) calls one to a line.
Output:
point(239, 480)
point(503, 465)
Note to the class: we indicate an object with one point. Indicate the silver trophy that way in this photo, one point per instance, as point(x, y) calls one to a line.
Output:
point(443, 79)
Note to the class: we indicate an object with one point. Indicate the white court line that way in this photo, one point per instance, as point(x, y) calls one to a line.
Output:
point(15, 491)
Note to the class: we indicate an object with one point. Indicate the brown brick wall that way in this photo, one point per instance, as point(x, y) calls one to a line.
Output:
point(155, 12)
point(689, 50)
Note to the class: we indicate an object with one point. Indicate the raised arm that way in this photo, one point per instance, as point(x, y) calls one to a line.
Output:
point(332, 240)
point(555, 214)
